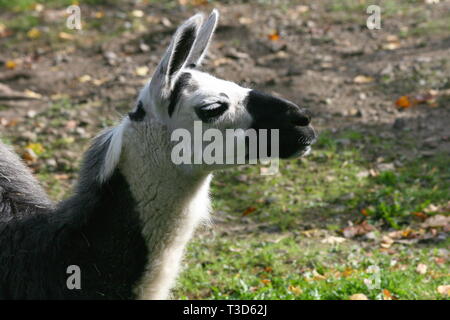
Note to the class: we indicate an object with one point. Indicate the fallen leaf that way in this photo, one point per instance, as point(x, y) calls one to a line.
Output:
point(357, 229)
point(4, 32)
point(37, 7)
point(32, 94)
point(420, 215)
point(71, 124)
point(29, 155)
point(137, 13)
point(318, 276)
point(444, 290)
point(221, 61)
point(421, 268)
point(363, 79)
point(141, 71)
point(62, 176)
point(295, 290)
point(65, 36)
point(274, 36)
point(391, 38)
point(386, 242)
point(436, 221)
point(403, 102)
point(36, 147)
point(358, 296)
point(302, 9)
point(391, 45)
point(34, 33)
point(268, 269)
point(248, 211)
point(333, 240)
point(99, 14)
point(10, 64)
point(245, 20)
point(85, 78)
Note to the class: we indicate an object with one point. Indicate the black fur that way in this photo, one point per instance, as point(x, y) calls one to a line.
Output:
point(183, 81)
point(139, 114)
point(269, 112)
point(97, 229)
point(182, 49)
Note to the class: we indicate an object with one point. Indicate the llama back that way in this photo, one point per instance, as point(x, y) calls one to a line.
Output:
point(20, 193)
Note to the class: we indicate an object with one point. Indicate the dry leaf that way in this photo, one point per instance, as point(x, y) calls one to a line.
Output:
point(4, 32)
point(444, 290)
point(248, 211)
point(29, 155)
point(85, 78)
point(99, 14)
point(364, 212)
point(221, 61)
point(386, 242)
point(362, 79)
point(137, 13)
point(66, 36)
point(32, 94)
point(387, 295)
point(358, 296)
point(391, 45)
point(403, 102)
point(357, 229)
point(274, 36)
point(318, 276)
point(245, 20)
point(436, 221)
point(421, 268)
point(37, 148)
point(302, 9)
point(10, 64)
point(333, 240)
point(295, 290)
point(420, 215)
point(141, 71)
point(34, 33)
point(71, 124)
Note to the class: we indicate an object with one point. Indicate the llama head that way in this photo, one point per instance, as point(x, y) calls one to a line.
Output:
point(179, 96)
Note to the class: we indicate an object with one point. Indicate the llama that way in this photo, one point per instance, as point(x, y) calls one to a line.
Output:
point(133, 210)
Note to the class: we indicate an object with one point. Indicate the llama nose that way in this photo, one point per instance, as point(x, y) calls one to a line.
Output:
point(301, 117)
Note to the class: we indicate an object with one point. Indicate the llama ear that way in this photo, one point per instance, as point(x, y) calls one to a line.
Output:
point(203, 39)
point(178, 52)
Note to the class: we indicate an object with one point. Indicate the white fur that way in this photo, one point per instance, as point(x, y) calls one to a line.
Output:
point(171, 203)
point(171, 200)
point(113, 153)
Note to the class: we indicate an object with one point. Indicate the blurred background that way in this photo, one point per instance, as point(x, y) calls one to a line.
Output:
point(366, 215)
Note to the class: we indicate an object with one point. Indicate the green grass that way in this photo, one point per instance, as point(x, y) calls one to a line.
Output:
point(297, 268)
point(314, 192)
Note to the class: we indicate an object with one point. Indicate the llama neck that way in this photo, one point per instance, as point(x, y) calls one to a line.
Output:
point(170, 201)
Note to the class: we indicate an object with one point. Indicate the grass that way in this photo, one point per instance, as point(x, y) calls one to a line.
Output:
point(276, 252)
point(284, 263)
point(297, 268)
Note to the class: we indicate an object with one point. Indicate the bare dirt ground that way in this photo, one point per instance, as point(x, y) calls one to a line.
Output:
point(319, 52)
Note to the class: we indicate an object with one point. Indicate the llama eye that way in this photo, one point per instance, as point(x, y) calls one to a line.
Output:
point(211, 111)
